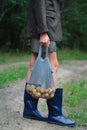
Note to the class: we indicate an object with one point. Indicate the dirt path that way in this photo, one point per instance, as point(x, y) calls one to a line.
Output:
point(11, 101)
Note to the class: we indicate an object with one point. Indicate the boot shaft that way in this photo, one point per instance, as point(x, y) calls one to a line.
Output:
point(29, 101)
point(55, 110)
point(30, 108)
point(55, 103)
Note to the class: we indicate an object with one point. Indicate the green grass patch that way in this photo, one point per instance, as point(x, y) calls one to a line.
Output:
point(63, 54)
point(11, 57)
point(12, 74)
point(75, 101)
point(67, 54)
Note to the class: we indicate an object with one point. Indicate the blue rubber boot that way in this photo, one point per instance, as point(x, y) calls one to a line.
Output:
point(30, 108)
point(55, 115)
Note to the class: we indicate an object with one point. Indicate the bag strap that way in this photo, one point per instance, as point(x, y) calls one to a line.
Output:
point(40, 51)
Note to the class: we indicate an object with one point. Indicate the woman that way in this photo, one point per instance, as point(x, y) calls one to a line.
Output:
point(44, 27)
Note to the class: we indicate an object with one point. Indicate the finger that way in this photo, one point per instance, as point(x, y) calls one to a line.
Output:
point(48, 43)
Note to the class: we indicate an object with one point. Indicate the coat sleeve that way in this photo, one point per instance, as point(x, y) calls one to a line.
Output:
point(39, 7)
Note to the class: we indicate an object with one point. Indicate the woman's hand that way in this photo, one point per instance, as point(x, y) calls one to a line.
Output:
point(44, 39)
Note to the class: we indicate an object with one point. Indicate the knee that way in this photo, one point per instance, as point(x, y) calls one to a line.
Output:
point(54, 61)
point(31, 64)
point(55, 66)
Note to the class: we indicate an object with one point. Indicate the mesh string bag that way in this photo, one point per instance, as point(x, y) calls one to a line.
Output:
point(41, 83)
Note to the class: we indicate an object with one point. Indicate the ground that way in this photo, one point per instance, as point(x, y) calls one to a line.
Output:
point(11, 100)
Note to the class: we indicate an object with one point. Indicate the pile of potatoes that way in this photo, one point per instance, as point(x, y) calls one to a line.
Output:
point(39, 92)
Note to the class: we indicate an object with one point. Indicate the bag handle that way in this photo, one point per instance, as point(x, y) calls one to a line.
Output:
point(40, 51)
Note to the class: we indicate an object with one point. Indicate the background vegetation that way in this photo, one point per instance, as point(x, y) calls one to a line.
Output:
point(13, 25)
point(75, 98)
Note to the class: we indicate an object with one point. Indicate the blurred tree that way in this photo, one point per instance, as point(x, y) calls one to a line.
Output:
point(13, 24)
point(74, 22)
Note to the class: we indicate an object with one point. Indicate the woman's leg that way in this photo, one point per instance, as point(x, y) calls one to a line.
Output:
point(54, 104)
point(55, 65)
point(31, 64)
point(30, 103)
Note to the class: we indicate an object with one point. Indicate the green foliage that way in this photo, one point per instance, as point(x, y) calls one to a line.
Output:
point(74, 22)
point(13, 24)
point(76, 93)
point(68, 54)
point(7, 58)
point(64, 55)
point(12, 75)
point(75, 100)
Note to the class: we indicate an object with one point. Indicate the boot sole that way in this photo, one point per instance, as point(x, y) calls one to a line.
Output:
point(30, 117)
point(50, 122)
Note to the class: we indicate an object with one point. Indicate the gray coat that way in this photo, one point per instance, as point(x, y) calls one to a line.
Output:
point(44, 16)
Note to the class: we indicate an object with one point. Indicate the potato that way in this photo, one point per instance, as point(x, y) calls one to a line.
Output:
point(28, 89)
point(37, 95)
point(38, 89)
point(42, 90)
point(34, 91)
point(45, 90)
point(46, 95)
point(31, 89)
point(32, 86)
point(51, 95)
point(50, 90)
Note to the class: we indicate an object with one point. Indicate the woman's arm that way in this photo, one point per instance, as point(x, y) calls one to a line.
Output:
point(39, 7)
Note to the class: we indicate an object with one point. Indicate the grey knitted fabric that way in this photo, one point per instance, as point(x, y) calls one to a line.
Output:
point(42, 72)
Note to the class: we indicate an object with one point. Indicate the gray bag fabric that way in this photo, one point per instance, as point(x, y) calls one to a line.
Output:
point(41, 83)
point(42, 72)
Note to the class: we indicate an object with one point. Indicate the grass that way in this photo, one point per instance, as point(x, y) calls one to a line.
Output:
point(12, 74)
point(11, 57)
point(67, 54)
point(75, 100)
point(63, 54)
